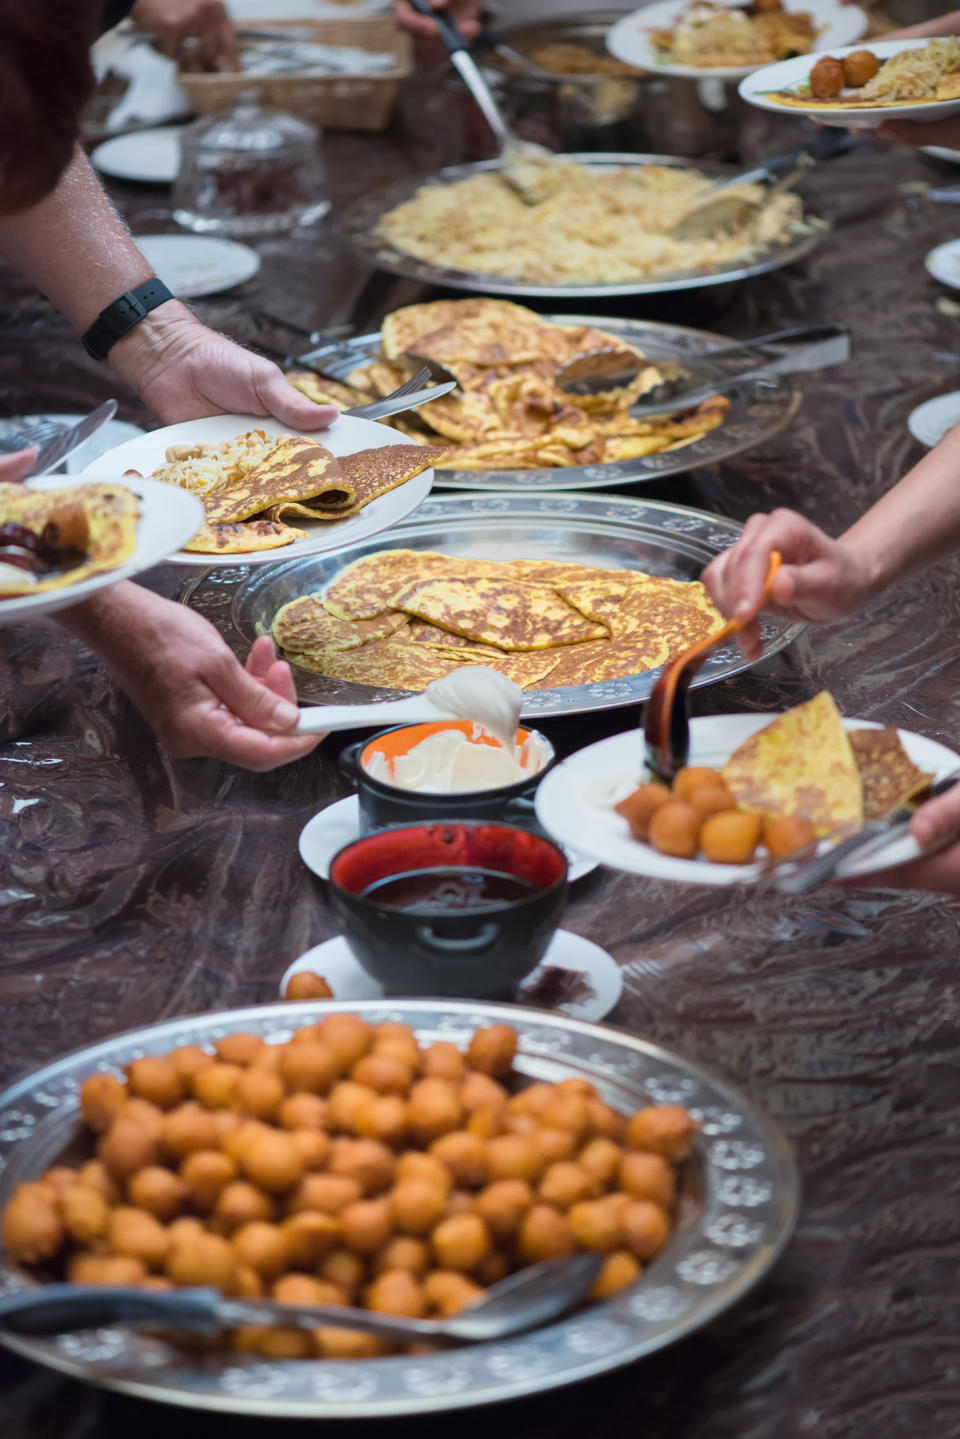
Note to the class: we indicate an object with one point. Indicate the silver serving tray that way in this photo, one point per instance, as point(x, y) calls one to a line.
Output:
point(605, 531)
point(758, 410)
point(360, 224)
point(738, 1206)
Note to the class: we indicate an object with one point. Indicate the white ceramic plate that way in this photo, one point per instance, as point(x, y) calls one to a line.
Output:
point(930, 421)
point(576, 799)
point(344, 437)
point(339, 824)
point(629, 39)
point(192, 265)
point(943, 263)
point(335, 962)
point(939, 152)
point(114, 432)
point(788, 74)
point(168, 519)
point(150, 156)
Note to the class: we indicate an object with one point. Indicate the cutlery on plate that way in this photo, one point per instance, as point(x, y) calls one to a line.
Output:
point(54, 446)
point(524, 1301)
point(666, 729)
point(408, 396)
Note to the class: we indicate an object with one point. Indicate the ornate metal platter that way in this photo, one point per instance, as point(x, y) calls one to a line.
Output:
point(605, 531)
point(360, 227)
point(758, 410)
point(738, 1205)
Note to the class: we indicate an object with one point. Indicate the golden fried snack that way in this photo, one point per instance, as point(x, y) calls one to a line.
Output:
point(510, 1156)
point(567, 1183)
point(309, 1235)
point(137, 1235)
point(732, 837)
point(675, 829)
point(595, 1226)
point(601, 1159)
point(366, 1225)
point(202, 1259)
point(384, 1072)
point(544, 1233)
point(383, 1118)
point(85, 1213)
point(493, 1050)
point(239, 1049)
point(206, 1174)
point(86, 1268)
point(241, 1203)
point(417, 1205)
point(368, 1161)
point(648, 1176)
point(645, 1227)
point(695, 777)
point(710, 799)
point(639, 808)
point(307, 985)
point(313, 1068)
point(32, 1228)
point(859, 67)
point(461, 1242)
point(448, 1292)
point(620, 1269)
point(314, 1147)
point(102, 1096)
point(259, 1093)
point(465, 1155)
point(403, 1252)
point(502, 1206)
point(155, 1078)
point(159, 1192)
point(273, 1162)
point(325, 1193)
point(127, 1146)
point(785, 834)
point(665, 1129)
point(443, 1060)
point(188, 1059)
point(396, 1291)
point(214, 1086)
point(304, 1111)
point(348, 1036)
point(187, 1129)
point(264, 1247)
point(827, 78)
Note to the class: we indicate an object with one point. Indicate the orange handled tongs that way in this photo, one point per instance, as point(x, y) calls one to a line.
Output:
point(666, 729)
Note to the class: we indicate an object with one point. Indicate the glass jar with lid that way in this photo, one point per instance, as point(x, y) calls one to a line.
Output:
point(250, 171)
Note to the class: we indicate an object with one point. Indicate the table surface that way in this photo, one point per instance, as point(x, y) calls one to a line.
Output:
point(133, 888)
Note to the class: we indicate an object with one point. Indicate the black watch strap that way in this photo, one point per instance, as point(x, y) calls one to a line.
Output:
point(120, 317)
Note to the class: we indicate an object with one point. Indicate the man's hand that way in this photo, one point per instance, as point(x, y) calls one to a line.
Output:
point(174, 24)
point(16, 467)
point(188, 685)
point(465, 14)
point(819, 578)
point(911, 132)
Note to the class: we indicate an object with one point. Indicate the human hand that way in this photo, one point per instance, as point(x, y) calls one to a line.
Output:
point(185, 371)
point(936, 822)
point(188, 685)
point(16, 467)
point(465, 14)
point(819, 578)
point(911, 132)
point(174, 24)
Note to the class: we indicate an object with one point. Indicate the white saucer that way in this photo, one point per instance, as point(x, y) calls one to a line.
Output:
point(930, 421)
point(150, 156)
point(334, 961)
point(114, 432)
point(339, 823)
point(943, 263)
point(193, 265)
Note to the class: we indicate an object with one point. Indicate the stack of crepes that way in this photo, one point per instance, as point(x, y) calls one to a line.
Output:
point(95, 526)
point(508, 412)
point(805, 763)
point(252, 487)
point(401, 618)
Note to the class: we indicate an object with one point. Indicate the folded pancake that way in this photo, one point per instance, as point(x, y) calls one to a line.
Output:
point(367, 475)
point(386, 663)
point(97, 524)
point(601, 660)
point(888, 775)
point(800, 764)
point(365, 588)
point(297, 469)
point(249, 535)
point(304, 626)
point(422, 633)
point(325, 391)
point(511, 614)
point(631, 603)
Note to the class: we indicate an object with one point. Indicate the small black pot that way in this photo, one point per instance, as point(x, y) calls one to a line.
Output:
point(386, 804)
point(474, 954)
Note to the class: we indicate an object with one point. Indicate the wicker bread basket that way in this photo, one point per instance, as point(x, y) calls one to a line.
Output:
point(335, 102)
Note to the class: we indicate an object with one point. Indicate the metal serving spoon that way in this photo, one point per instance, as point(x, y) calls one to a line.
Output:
point(666, 730)
point(526, 1300)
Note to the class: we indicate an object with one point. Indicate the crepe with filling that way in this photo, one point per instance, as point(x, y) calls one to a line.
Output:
point(102, 516)
point(800, 764)
point(367, 475)
point(305, 626)
point(511, 614)
point(296, 469)
point(888, 775)
point(248, 535)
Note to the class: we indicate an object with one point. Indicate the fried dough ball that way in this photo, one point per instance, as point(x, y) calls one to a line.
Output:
point(201, 1260)
point(567, 1111)
point(402, 1252)
point(32, 1228)
point(85, 1213)
point(674, 829)
point(503, 1205)
point(479, 1091)
point(459, 1201)
point(304, 1111)
point(242, 1203)
point(366, 1225)
point(311, 1068)
point(342, 1268)
point(576, 1084)
point(567, 1183)
point(368, 1161)
point(239, 1048)
point(383, 1072)
point(206, 1174)
point(665, 1129)
point(520, 1124)
point(551, 1145)
point(465, 1156)
point(238, 1140)
point(443, 1060)
point(694, 777)
point(347, 1344)
point(214, 1086)
point(348, 1036)
point(127, 1146)
point(620, 1269)
point(595, 1226)
point(485, 1123)
point(493, 1050)
point(648, 1176)
point(731, 838)
point(605, 1121)
point(136, 1234)
point(404, 1052)
point(305, 1289)
point(787, 833)
point(96, 1174)
point(158, 1191)
point(307, 985)
point(646, 1228)
point(325, 1193)
point(383, 1118)
point(532, 1100)
point(414, 1165)
point(544, 1233)
point(639, 808)
point(395, 1033)
point(461, 1242)
point(247, 1283)
point(449, 1292)
point(155, 1078)
point(711, 799)
point(102, 1097)
point(188, 1059)
point(347, 1101)
point(187, 1129)
point(396, 1292)
point(417, 1205)
point(259, 1093)
point(494, 1268)
point(434, 1109)
point(141, 1111)
point(309, 1235)
point(512, 1156)
point(860, 67)
point(601, 1159)
point(827, 78)
point(313, 1147)
point(106, 1269)
point(272, 1162)
point(283, 1342)
point(186, 1225)
point(225, 1123)
point(263, 1246)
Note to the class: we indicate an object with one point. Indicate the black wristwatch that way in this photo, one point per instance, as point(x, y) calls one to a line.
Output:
point(120, 317)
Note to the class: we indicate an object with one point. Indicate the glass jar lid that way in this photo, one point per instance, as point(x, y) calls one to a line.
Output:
point(253, 129)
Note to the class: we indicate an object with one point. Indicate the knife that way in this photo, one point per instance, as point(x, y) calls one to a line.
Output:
point(56, 450)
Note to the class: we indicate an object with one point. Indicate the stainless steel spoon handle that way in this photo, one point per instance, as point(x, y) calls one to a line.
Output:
point(65, 1308)
point(468, 68)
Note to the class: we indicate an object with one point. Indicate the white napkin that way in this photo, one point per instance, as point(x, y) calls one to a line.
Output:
point(153, 96)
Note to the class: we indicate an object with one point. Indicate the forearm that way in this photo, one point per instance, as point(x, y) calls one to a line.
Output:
point(111, 615)
point(948, 24)
point(915, 523)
